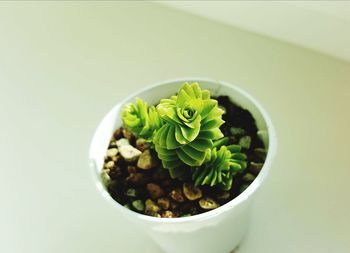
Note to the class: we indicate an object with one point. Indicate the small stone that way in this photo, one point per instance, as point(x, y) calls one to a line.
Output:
point(114, 173)
point(105, 178)
point(243, 187)
point(237, 131)
point(147, 160)
point(261, 153)
point(115, 158)
point(109, 165)
point(248, 177)
point(127, 206)
point(223, 195)
point(191, 192)
point(255, 168)
point(168, 214)
point(164, 203)
point(128, 134)
point(131, 169)
point(122, 142)
point(208, 203)
point(142, 144)
point(154, 190)
point(138, 205)
point(136, 178)
point(131, 192)
point(151, 207)
point(173, 205)
point(113, 144)
point(245, 141)
point(177, 195)
point(129, 153)
point(112, 152)
point(157, 215)
point(118, 133)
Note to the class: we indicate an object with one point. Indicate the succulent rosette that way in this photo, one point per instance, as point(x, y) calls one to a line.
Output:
point(191, 122)
point(142, 120)
point(221, 167)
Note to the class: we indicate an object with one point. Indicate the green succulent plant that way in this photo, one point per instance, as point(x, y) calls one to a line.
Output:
point(142, 120)
point(191, 122)
point(221, 167)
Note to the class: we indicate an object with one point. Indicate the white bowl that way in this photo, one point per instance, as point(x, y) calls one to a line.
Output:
point(219, 230)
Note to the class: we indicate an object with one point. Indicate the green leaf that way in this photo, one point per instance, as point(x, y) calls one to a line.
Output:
point(212, 134)
point(197, 90)
point(201, 144)
point(182, 98)
point(186, 158)
point(178, 135)
point(188, 89)
point(214, 123)
point(208, 106)
point(205, 94)
point(171, 142)
point(234, 148)
point(189, 133)
point(193, 153)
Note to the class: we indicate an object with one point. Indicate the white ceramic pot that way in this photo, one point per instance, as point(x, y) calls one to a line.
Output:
point(219, 230)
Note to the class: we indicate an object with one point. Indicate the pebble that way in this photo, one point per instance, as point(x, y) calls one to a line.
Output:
point(177, 195)
point(127, 134)
point(223, 195)
point(113, 144)
point(142, 144)
point(129, 153)
point(243, 187)
point(112, 152)
point(109, 165)
point(208, 203)
point(115, 158)
point(191, 192)
point(237, 131)
point(131, 192)
point(122, 142)
point(164, 203)
point(173, 204)
point(154, 190)
point(245, 141)
point(151, 207)
point(136, 178)
point(138, 205)
point(118, 133)
point(261, 153)
point(105, 178)
point(255, 168)
point(248, 177)
point(168, 214)
point(147, 160)
point(131, 169)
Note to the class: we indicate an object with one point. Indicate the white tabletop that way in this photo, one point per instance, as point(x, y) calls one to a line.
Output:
point(64, 65)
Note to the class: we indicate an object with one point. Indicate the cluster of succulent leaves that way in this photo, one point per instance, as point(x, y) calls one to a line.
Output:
point(142, 120)
point(185, 132)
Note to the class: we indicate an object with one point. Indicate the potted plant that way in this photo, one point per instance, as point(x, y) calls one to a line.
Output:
point(182, 159)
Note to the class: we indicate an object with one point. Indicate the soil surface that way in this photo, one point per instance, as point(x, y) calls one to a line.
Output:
point(140, 183)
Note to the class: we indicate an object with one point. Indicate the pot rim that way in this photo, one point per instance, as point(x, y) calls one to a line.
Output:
point(272, 147)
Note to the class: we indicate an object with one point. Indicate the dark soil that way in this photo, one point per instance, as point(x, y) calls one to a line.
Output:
point(153, 192)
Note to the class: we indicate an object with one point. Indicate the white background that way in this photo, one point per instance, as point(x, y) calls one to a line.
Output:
point(64, 65)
